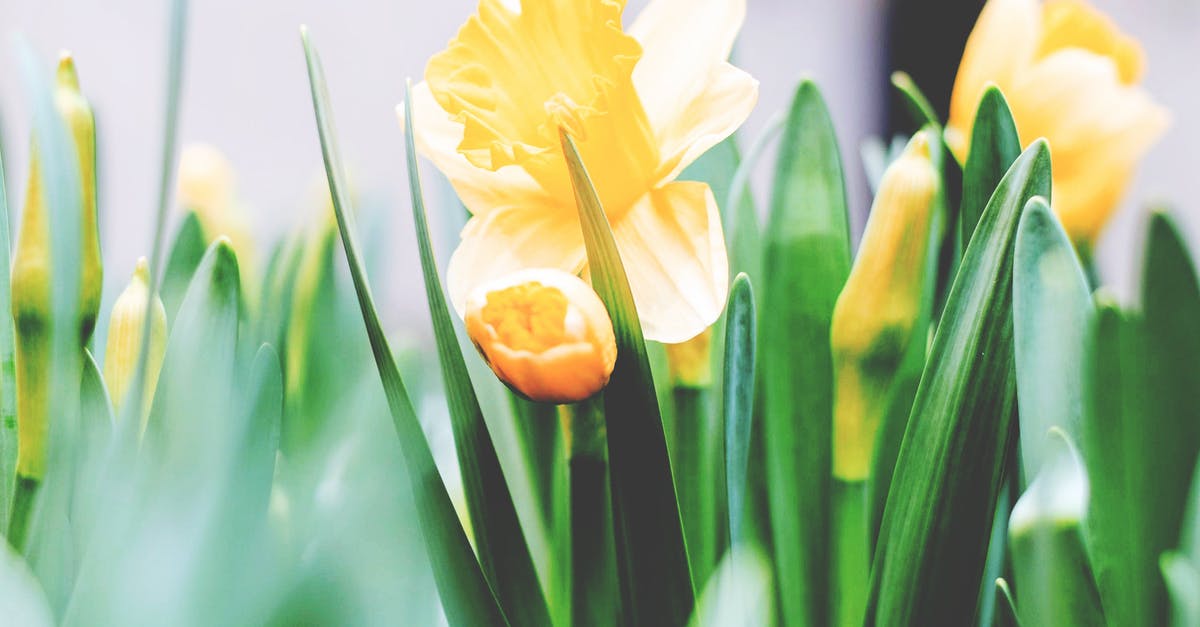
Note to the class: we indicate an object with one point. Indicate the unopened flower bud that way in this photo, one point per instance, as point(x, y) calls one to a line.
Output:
point(207, 185)
point(544, 333)
point(125, 328)
point(875, 314)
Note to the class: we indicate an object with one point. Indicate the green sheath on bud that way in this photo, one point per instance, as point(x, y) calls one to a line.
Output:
point(125, 340)
point(874, 316)
point(32, 276)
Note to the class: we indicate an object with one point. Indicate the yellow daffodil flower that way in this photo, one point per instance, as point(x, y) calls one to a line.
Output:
point(545, 333)
point(641, 105)
point(875, 315)
point(1072, 77)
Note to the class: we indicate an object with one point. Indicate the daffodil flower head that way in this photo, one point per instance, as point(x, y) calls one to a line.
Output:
point(545, 334)
point(208, 186)
point(1071, 76)
point(641, 105)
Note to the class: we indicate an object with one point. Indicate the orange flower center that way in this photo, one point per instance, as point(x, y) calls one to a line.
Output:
point(529, 316)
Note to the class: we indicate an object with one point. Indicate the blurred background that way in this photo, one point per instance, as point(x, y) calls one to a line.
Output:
point(246, 93)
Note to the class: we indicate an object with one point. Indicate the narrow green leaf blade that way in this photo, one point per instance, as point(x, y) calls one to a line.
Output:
point(1006, 608)
point(503, 551)
point(466, 597)
point(1052, 313)
point(186, 251)
point(21, 595)
point(950, 468)
point(918, 105)
point(1183, 584)
point(738, 396)
point(994, 146)
point(8, 376)
point(807, 260)
point(652, 563)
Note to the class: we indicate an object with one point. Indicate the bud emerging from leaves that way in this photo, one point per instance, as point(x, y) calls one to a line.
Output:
point(545, 333)
point(32, 275)
point(125, 340)
point(875, 314)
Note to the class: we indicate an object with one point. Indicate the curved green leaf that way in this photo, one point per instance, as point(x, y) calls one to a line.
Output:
point(652, 563)
point(994, 146)
point(466, 597)
point(950, 467)
point(738, 396)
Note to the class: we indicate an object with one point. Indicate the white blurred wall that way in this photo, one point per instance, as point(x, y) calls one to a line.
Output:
point(246, 92)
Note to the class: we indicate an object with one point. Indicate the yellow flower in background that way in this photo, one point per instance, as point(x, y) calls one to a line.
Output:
point(641, 106)
point(1072, 77)
point(207, 185)
point(545, 333)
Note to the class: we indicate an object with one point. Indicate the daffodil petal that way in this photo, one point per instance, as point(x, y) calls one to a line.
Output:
point(682, 42)
point(1098, 129)
point(1002, 43)
point(715, 113)
point(1076, 24)
point(437, 137)
point(508, 239)
point(674, 254)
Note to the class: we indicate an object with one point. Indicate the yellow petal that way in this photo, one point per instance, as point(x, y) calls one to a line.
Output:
point(728, 97)
point(1001, 44)
point(1098, 129)
point(545, 333)
point(437, 137)
point(683, 42)
point(513, 79)
point(508, 239)
point(1075, 24)
point(674, 253)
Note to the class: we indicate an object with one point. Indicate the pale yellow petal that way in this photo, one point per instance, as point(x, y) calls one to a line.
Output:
point(1098, 128)
point(714, 114)
point(437, 138)
point(1076, 24)
point(512, 79)
point(508, 239)
point(1002, 43)
point(674, 254)
point(683, 42)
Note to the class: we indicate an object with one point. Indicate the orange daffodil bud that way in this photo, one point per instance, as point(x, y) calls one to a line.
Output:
point(545, 333)
point(641, 105)
point(1071, 76)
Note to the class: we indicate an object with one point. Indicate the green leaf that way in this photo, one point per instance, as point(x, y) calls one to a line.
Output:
point(950, 468)
point(1183, 584)
point(95, 405)
point(915, 102)
point(994, 146)
point(1052, 313)
point(1050, 563)
point(8, 376)
point(21, 596)
point(807, 260)
point(503, 552)
point(466, 596)
point(738, 593)
point(738, 395)
point(1006, 608)
point(264, 413)
point(652, 563)
point(1141, 434)
point(186, 250)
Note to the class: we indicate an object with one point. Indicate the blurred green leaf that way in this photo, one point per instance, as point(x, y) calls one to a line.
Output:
point(738, 383)
point(1183, 585)
point(186, 250)
point(8, 376)
point(1050, 563)
point(950, 467)
point(652, 563)
point(503, 552)
point(1052, 311)
point(1006, 609)
point(21, 596)
point(807, 260)
point(994, 146)
point(1141, 436)
point(738, 593)
point(466, 597)
point(914, 100)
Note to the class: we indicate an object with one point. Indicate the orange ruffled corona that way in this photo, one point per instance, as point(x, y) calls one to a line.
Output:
point(641, 105)
point(545, 333)
point(1071, 76)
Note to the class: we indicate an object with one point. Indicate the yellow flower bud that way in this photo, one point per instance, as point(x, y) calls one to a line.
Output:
point(207, 185)
point(545, 334)
point(690, 362)
point(875, 314)
point(32, 278)
point(125, 340)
